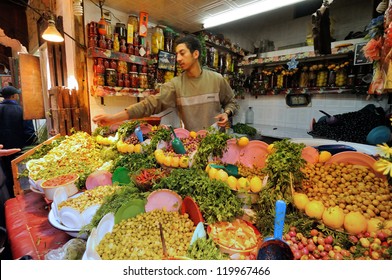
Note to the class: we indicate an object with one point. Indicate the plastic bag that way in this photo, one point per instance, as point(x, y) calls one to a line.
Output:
point(72, 250)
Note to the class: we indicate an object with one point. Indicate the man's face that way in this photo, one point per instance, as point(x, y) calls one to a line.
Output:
point(184, 56)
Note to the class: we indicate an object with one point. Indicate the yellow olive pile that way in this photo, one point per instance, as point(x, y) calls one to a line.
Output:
point(246, 171)
point(139, 238)
point(351, 187)
point(89, 198)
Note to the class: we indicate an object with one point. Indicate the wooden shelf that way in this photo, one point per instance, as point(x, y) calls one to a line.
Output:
point(313, 90)
point(109, 54)
point(104, 91)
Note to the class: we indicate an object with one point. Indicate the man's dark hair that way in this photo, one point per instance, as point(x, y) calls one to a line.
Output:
point(191, 42)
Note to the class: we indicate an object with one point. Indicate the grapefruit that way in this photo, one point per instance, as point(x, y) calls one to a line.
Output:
point(315, 209)
point(355, 223)
point(333, 217)
point(300, 200)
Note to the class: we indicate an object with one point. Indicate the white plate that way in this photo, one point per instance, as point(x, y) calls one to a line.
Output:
point(70, 231)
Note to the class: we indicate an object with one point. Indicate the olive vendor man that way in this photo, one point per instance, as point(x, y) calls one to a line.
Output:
point(202, 97)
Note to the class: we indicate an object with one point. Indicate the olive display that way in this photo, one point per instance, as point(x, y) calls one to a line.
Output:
point(139, 238)
point(352, 126)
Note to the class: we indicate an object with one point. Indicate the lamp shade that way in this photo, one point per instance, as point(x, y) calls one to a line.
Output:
point(51, 33)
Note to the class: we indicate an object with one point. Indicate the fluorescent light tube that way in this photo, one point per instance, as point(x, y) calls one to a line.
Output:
point(247, 11)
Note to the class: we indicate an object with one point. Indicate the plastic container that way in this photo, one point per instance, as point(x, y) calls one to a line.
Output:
point(249, 116)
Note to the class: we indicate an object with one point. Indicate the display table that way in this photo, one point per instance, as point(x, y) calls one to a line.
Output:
point(28, 228)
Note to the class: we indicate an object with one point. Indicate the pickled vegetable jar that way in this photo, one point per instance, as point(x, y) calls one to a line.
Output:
point(157, 40)
point(143, 80)
point(111, 77)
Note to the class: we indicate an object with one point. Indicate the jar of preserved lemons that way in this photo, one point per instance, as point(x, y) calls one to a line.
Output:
point(157, 40)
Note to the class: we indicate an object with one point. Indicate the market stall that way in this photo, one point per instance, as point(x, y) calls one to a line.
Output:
point(222, 192)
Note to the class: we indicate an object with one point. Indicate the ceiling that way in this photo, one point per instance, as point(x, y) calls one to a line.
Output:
point(189, 14)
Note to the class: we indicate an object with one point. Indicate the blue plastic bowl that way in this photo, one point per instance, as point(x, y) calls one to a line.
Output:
point(378, 135)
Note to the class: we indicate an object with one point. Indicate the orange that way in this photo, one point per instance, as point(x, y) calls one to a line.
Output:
point(333, 217)
point(232, 182)
point(300, 200)
point(355, 223)
point(243, 141)
point(314, 209)
point(324, 156)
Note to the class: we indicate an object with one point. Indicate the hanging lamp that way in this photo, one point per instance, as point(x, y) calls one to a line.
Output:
point(51, 33)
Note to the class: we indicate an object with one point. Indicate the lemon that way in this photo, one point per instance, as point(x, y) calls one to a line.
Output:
point(138, 148)
point(175, 162)
point(221, 175)
point(160, 158)
point(208, 167)
point(324, 156)
point(167, 161)
point(193, 134)
point(184, 162)
point(158, 152)
point(255, 184)
point(232, 182)
point(243, 184)
point(212, 173)
point(270, 148)
point(243, 141)
point(129, 148)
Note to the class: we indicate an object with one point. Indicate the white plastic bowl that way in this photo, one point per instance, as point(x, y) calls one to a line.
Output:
point(68, 182)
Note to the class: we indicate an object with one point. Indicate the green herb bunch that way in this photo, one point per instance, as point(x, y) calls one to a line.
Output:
point(213, 144)
point(215, 199)
point(205, 249)
point(113, 202)
point(283, 167)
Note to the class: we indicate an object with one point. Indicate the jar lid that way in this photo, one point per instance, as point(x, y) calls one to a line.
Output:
point(133, 72)
point(110, 69)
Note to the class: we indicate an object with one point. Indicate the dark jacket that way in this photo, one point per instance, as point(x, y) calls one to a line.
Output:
point(14, 131)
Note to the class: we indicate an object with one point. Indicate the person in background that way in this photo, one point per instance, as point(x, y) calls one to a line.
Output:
point(14, 131)
point(202, 97)
point(4, 194)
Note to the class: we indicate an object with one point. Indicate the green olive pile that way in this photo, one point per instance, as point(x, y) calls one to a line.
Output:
point(139, 238)
point(351, 187)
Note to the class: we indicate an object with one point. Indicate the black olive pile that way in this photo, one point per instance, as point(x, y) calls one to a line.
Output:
point(352, 126)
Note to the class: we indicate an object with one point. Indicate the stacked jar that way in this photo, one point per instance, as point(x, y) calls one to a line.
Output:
point(157, 40)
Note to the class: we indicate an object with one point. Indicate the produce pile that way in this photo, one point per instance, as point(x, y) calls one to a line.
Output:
point(334, 211)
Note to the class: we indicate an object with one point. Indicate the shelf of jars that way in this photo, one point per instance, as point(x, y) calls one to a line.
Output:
point(311, 90)
point(95, 52)
point(339, 50)
point(105, 91)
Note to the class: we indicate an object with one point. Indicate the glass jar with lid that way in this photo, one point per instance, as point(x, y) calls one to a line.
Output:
point(121, 30)
point(157, 40)
point(111, 77)
point(143, 82)
point(134, 78)
point(132, 28)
